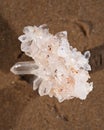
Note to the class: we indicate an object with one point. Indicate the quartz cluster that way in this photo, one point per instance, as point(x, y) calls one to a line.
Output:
point(62, 71)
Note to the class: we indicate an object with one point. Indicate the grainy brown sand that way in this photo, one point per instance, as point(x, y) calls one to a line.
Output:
point(21, 108)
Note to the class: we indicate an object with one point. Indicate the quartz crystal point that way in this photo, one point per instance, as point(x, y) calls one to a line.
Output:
point(61, 70)
point(21, 68)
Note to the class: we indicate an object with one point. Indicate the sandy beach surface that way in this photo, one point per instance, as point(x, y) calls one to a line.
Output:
point(21, 108)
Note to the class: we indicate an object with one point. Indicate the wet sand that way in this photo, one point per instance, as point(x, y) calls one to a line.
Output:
point(21, 108)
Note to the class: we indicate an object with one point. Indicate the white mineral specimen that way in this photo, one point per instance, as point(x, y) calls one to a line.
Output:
point(61, 70)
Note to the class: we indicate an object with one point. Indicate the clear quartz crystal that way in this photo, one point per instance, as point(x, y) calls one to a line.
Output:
point(27, 67)
point(61, 70)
